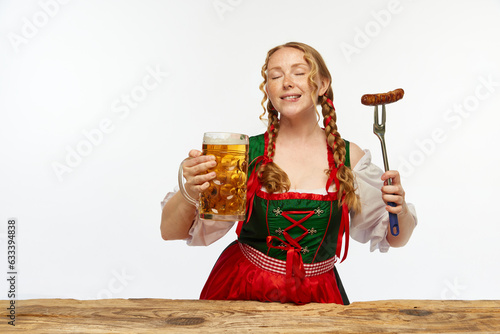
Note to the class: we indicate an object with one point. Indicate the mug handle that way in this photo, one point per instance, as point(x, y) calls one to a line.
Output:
point(182, 188)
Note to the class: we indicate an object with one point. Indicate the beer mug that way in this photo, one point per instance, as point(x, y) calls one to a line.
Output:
point(225, 198)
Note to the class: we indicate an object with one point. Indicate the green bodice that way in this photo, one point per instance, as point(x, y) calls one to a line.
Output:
point(309, 223)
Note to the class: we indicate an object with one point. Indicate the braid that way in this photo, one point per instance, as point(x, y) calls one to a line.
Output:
point(271, 175)
point(344, 174)
point(272, 131)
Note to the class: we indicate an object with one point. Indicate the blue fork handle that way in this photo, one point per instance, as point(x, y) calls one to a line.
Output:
point(393, 220)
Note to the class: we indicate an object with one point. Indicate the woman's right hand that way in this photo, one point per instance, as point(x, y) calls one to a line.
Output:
point(195, 170)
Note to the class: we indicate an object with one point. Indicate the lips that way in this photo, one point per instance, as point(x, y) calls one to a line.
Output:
point(290, 97)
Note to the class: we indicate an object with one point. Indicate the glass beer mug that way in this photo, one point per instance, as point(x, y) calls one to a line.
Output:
point(225, 198)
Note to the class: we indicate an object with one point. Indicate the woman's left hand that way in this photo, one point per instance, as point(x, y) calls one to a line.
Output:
point(393, 193)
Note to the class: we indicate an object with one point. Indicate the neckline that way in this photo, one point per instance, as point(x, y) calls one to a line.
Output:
point(332, 196)
point(328, 149)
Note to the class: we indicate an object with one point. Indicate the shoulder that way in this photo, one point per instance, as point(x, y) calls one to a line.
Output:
point(355, 154)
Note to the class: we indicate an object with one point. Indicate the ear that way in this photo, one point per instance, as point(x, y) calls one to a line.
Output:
point(325, 83)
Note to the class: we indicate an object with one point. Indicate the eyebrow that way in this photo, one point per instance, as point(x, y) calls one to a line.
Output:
point(294, 65)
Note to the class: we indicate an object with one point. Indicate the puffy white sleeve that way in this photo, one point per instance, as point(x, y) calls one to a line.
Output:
point(371, 224)
point(203, 232)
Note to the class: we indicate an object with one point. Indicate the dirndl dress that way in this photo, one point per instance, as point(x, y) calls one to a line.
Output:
point(287, 249)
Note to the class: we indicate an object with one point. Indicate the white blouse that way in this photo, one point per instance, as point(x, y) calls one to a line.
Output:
point(371, 224)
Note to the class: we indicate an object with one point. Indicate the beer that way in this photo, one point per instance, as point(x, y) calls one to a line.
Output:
point(225, 198)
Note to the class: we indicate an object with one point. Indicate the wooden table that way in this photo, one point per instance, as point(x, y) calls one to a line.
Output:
point(195, 316)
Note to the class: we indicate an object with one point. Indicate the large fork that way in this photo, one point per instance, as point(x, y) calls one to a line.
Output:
point(379, 131)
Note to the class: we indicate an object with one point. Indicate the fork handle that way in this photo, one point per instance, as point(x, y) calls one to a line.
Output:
point(393, 221)
point(382, 98)
point(393, 218)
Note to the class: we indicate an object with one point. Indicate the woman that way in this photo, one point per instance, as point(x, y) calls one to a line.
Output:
point(304, 180)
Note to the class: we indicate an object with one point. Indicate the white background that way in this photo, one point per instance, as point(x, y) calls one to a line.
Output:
point(92, 230)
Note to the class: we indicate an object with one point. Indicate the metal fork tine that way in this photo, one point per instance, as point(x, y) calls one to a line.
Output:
point(379, 130)
point(380, 125)
point(383, 115)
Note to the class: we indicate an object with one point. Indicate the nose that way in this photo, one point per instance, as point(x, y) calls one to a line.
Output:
point(287, 82)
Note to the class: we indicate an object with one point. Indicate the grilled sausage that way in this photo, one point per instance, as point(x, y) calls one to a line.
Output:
point(383, 98)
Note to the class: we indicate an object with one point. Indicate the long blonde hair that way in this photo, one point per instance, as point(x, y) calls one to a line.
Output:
point(273, 177)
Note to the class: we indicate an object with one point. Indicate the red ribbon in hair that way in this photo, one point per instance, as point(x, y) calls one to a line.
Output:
point(330, 102)
point(327, 120)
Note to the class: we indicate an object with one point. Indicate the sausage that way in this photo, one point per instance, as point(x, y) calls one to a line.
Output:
point(382, 98)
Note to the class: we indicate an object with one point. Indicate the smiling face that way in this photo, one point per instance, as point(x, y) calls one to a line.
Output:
point(288, 86)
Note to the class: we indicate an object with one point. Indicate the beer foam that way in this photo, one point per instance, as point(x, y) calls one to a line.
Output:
point(224, 138)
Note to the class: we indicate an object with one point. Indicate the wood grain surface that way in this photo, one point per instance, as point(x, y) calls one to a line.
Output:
point(196, 316)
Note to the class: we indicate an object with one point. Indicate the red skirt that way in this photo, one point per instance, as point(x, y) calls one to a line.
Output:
point(235, 277)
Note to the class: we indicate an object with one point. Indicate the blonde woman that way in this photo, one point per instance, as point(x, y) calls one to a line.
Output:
point(304, 183)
